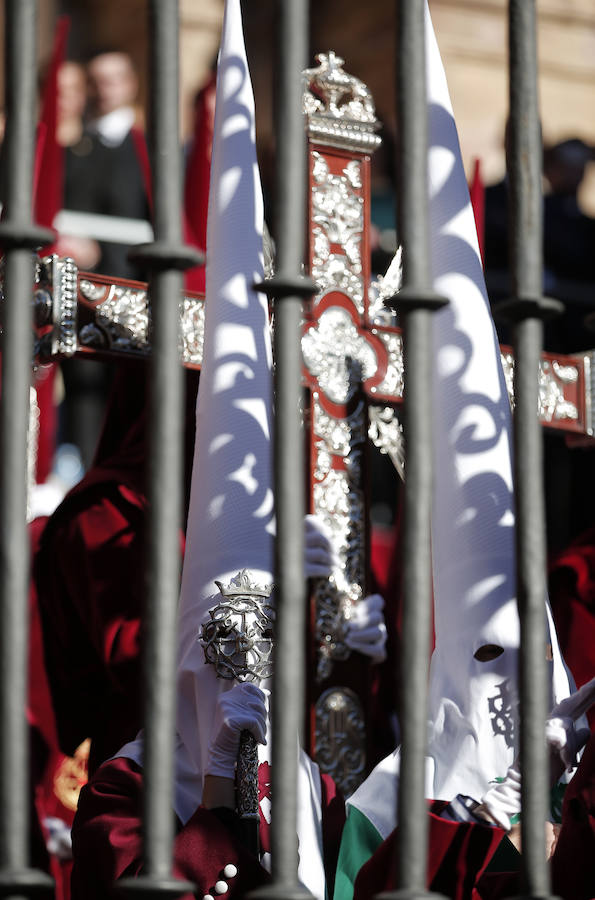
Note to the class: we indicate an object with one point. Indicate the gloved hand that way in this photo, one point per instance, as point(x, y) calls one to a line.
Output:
point(320, 556)
point(502, 801)
point(366, 629)
point(562, 733)
point(241, 707)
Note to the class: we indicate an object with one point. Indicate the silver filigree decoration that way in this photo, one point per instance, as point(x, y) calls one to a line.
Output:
point(125, 316)
point(339, 501)
point(552, 404)
point(339, 107)
point(32, 447)
point(238, 637)
point(386, 433)
point(392, 384)
point(91, 290)
point(589, 370)
point(192, 330)
point(341, 738)
point(337, 216)
point(329, 346)
point(56, 289)
point(507, 360)
point(247, 777)
point(382, 289)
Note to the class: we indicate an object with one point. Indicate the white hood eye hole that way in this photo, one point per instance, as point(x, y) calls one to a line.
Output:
point(487, 652)
point(549, 654)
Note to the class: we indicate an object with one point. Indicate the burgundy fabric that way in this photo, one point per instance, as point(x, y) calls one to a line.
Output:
point(48, 178)
point(477, 196)
point(90, 578)
point(48, 193)
point(197, 181)
point(333, 820)
point(107, 842)
point(572, 598)
point(573, 862)
point(458, 855)
point(107, 839)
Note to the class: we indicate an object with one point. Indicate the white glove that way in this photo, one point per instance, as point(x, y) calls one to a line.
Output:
point(320, 556)
point(561, 730)
point(241, 707)
point(365, 629)
point(503, 801)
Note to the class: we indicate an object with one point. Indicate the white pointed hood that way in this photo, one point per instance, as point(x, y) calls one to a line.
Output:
point(230, 522)
point(472, 704)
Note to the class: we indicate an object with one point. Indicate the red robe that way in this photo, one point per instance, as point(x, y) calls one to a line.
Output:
point(459, 853)
point(572, 598)
point(107, 841)
point(90, 579)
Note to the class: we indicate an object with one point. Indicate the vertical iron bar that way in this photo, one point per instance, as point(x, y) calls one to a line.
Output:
point(290, 194)
point(415, 644)
point(288, 288)
point(416, 302)
point(18, 237)
point(166, 464)
point(528, 308)
point(165, 258)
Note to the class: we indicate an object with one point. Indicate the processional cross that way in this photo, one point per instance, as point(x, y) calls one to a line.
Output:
point(353, 378)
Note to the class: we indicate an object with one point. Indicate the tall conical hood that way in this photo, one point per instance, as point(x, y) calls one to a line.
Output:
point(230, 522)
point(473, 682)
point(472, 697)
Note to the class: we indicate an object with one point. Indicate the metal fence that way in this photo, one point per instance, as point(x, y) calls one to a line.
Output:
point(166, 258)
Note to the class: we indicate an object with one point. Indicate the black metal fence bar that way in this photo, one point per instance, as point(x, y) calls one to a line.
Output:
point(528, 309)
point(165, 258)
point(288, 288)
point(18, 237)
point(415, 302)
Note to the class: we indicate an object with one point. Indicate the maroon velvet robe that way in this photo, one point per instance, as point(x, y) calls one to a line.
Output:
point(90, 579)
point(107, 841)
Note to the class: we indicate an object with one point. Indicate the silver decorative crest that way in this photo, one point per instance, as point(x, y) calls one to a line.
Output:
point(341, 738)
point(329, 346)
point(238, 636)
point(339, 107)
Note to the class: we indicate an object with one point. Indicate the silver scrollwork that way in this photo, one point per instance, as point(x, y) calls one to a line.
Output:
point(341, 738)
point(327, 348)
point(552, 376)
point(192, 330)
point(393, 382)
point(553, 405)
point(386, 433)
point(339, 501)
point(247, 777)
point(125, 316)
point(337, 217)
point(589, 370)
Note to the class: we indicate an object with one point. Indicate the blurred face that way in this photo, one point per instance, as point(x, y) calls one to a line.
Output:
point(72, 91)
point(112, 82)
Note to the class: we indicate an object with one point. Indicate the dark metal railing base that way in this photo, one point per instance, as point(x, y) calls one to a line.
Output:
point(409, 894)
point(25, 882)
point(166, 255)
point(149, 887)
point(515, 309)
point(279, 892)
